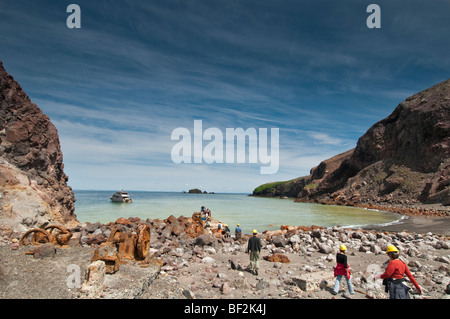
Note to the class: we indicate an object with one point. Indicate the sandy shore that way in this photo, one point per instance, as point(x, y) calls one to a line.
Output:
point(418, 224)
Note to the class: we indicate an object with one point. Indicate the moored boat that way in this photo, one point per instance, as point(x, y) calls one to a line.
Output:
point(121, 197)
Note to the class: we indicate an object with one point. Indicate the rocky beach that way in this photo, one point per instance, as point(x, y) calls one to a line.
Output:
point(185, 261)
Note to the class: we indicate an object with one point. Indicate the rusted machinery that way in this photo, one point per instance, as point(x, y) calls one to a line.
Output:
point(54, 234)
point(133, 244)
point(124, 243)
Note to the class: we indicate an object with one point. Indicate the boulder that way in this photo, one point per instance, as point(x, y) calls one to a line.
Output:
point(205, 240)
point(313, 281)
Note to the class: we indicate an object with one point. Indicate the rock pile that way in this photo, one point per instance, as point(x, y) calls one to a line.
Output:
point(294, 256)
point(296, 262)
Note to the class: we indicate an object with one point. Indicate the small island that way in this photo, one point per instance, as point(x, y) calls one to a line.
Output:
point(198, 191)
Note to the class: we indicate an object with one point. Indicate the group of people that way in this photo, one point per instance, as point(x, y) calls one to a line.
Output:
point(206, 212)
point(393, 276)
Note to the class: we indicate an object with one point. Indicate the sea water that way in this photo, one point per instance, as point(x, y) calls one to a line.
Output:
point(248, 211)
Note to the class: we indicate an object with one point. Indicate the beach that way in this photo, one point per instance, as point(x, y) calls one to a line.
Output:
point(296, 262)
point(417, 224)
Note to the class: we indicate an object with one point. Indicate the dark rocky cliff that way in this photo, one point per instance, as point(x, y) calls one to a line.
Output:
point(33, 185)
point(401, 160)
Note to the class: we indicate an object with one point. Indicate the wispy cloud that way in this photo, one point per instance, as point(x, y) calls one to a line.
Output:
point(117, 87)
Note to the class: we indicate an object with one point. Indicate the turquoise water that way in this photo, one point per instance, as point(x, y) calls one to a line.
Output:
point(250, 212)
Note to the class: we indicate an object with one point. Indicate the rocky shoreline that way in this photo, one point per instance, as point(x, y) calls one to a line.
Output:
point(186, 263)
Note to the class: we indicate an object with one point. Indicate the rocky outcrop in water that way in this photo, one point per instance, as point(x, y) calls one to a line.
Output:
point(403, 160)
point(33, 185)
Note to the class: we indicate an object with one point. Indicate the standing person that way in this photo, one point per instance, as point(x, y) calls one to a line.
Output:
point(342, 269)
point(238, 232)
point(254, 248)
point(393, 276)
point(227, 231)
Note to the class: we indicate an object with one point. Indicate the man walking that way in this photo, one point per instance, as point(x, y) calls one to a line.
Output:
point(254, 248)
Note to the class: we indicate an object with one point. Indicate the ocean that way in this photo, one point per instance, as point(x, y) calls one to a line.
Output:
point(250, 212)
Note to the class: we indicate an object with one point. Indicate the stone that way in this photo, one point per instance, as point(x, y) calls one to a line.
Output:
point(241, 283)
point(262, 284)
point(225, 289)
point(325, 249)
point(205, 240)
point(96, 240)
point(45, 250)
point(94, 284)
point(208, 260)
point(279, 241)
point(235, 265)
point(294, 239)
point(443, 259)
point(311, 282)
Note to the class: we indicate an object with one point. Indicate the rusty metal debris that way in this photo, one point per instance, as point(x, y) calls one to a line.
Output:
point(132, 245)
point(54, 234)
point(35, 237)
point(124, 243)
point(109, 255)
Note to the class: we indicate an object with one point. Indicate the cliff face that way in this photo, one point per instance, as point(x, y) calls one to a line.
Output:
point(33, 185)
point(401, 160)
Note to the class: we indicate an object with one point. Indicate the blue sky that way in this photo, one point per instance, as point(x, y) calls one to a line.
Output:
point(136, 70)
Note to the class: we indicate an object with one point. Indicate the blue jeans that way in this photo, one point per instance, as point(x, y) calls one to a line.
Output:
point(338, 282)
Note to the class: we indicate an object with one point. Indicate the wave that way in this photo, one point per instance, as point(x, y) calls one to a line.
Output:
point(394, 222)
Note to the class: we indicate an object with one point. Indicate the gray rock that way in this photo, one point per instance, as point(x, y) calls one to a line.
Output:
point(262, 284)
point(205, 240)
point(325, 249)
point(279, 241)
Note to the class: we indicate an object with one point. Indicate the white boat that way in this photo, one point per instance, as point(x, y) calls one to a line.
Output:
point(121, 197)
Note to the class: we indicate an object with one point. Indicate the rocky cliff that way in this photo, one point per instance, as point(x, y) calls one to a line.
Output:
point(403, 160)
point(33, 185)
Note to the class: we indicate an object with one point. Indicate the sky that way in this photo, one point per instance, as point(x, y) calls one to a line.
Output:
point(118, 87)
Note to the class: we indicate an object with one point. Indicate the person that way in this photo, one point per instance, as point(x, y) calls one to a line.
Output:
point(254, 248)
point(227, 231)
point(208, 223)
point(393, 276)
point(342, 269)
point(219, 228)
point(238, 232)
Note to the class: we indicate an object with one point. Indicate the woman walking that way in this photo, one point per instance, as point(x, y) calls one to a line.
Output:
point(342, 269)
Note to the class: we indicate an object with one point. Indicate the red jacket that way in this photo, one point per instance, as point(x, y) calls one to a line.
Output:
point(341, 260)
point(340, 270)
point(397, 269)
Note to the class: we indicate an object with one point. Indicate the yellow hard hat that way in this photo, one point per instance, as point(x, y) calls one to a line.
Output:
point(392, 249)
point(238, 224)
point(343, 247)
point(255, 231)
